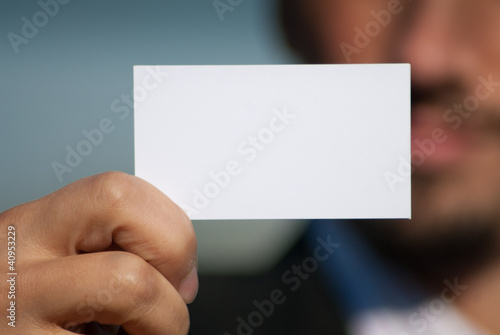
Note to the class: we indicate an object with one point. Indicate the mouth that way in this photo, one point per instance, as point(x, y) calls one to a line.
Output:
point(435, 144)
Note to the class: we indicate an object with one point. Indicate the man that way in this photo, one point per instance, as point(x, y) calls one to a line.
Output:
point(440, 272)
point(437, 274)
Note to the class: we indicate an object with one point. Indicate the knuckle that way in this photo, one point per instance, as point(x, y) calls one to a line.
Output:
point(133, 278)
point(112, 188)
point(140, 286)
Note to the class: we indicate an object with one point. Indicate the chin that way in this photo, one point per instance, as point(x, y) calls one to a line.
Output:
point(455, 223)
point(464, 196)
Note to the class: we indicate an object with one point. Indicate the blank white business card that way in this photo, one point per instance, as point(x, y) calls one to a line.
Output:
point(276, 141)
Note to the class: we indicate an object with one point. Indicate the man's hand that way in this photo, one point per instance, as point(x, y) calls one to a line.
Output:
point(110, 248)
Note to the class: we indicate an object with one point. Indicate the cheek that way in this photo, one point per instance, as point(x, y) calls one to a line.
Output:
point(471, 189)
point(482, 44)
point(348, 32)
point(482, 181)
point(491, 63)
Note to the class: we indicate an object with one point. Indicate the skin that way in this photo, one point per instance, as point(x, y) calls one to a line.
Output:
point(109, 248)
point(456, 190)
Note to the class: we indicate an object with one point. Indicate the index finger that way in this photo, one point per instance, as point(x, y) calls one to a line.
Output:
point(94, 213)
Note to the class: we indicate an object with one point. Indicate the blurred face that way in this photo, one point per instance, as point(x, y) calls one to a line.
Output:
point(453, 47)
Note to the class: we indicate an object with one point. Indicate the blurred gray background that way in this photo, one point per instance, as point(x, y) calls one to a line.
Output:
point(62, 68)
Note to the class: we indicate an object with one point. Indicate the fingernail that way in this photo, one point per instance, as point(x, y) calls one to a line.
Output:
point(189, 286)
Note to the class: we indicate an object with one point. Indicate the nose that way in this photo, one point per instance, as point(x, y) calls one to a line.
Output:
point(427, 42)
